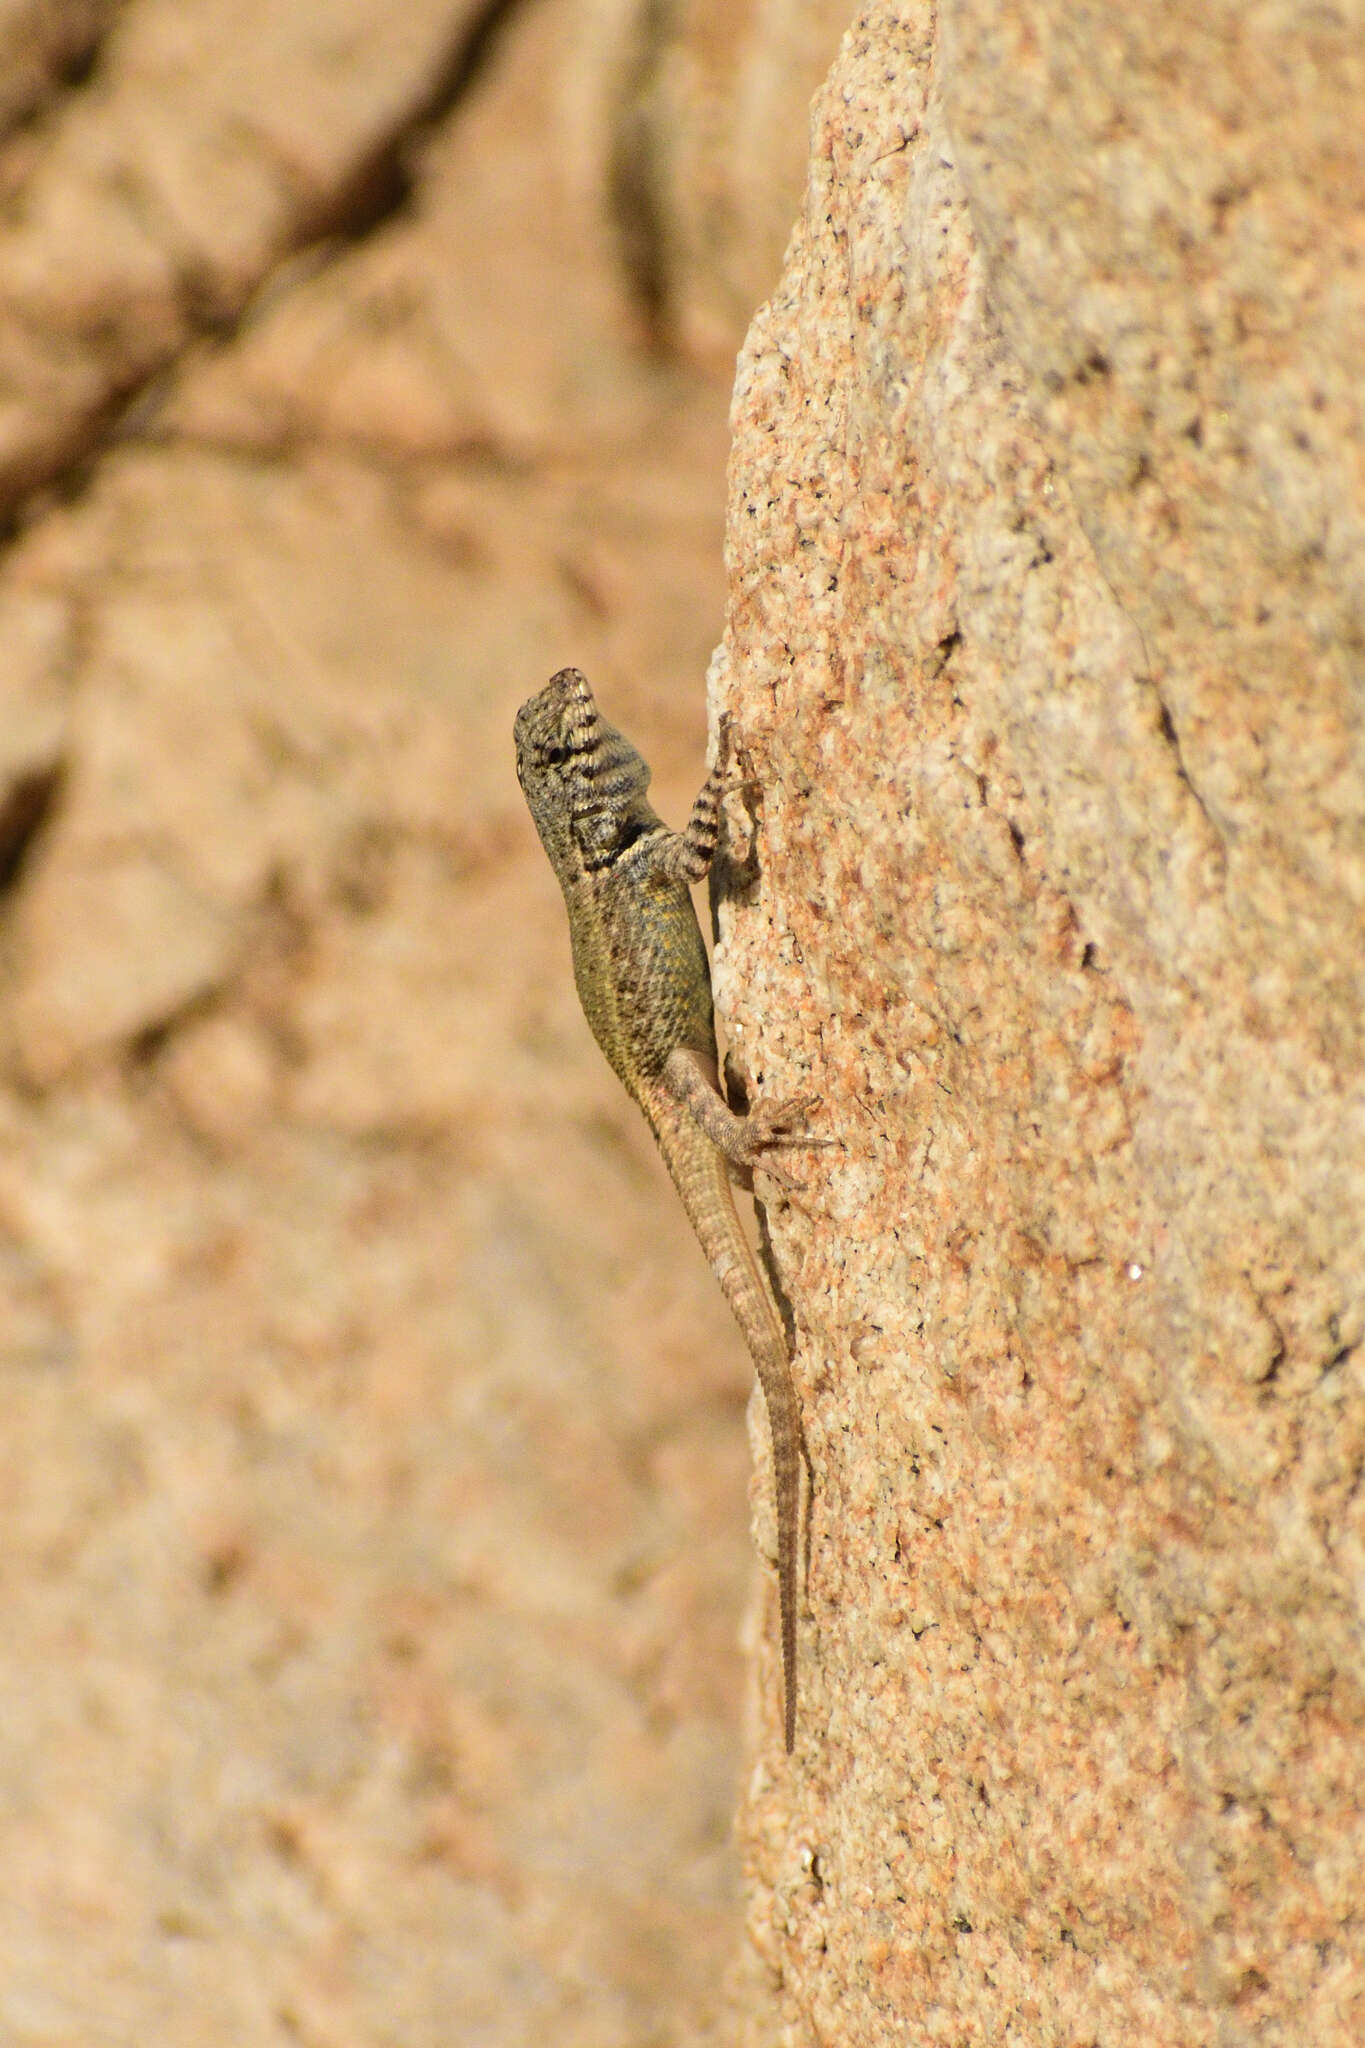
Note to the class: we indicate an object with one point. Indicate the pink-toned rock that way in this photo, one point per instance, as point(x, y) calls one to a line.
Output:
point(1044, 635)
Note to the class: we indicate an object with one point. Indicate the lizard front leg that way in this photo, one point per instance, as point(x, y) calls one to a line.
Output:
point(687, 855)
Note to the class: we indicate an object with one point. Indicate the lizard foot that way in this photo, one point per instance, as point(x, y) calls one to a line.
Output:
point(770, 1126)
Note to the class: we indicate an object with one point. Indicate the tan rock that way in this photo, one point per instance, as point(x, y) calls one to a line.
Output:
point(1044, 634)
point(42, 43)
point(35, 632)
point(373, 1465)
point(107, 953)
point(216, 138)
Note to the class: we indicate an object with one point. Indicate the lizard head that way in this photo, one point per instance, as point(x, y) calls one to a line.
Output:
point(584, 782)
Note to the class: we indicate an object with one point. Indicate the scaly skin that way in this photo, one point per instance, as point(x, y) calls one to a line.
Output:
point(645, 986)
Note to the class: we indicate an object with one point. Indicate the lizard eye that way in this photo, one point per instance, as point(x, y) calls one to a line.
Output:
point(556, 756)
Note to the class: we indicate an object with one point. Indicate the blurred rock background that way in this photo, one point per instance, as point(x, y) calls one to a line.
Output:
point(373, 1465)
point(376, 1565)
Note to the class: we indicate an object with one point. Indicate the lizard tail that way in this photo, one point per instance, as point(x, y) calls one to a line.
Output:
point(702, 1178)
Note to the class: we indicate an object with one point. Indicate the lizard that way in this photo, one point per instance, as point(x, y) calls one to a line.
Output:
point(645, 985)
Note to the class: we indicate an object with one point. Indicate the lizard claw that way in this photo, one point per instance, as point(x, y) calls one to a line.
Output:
point(776, 1123)
point(770, 1126)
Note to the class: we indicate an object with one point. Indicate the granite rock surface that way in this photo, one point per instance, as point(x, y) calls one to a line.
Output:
point(1045, 637)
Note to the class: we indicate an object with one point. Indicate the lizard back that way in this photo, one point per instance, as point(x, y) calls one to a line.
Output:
point(639, 958)
point(645, 986)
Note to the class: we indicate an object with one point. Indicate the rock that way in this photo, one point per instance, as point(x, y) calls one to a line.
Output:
point(216, 140)
point(108, 954)
point(44, 43)
point(35, 636)
point(1043, 634)
point(373, 1463)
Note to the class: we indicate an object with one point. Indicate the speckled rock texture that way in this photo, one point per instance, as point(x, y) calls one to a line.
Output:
point(1046, 639)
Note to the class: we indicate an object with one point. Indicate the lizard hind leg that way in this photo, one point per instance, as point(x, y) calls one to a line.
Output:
point(747, 1141)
